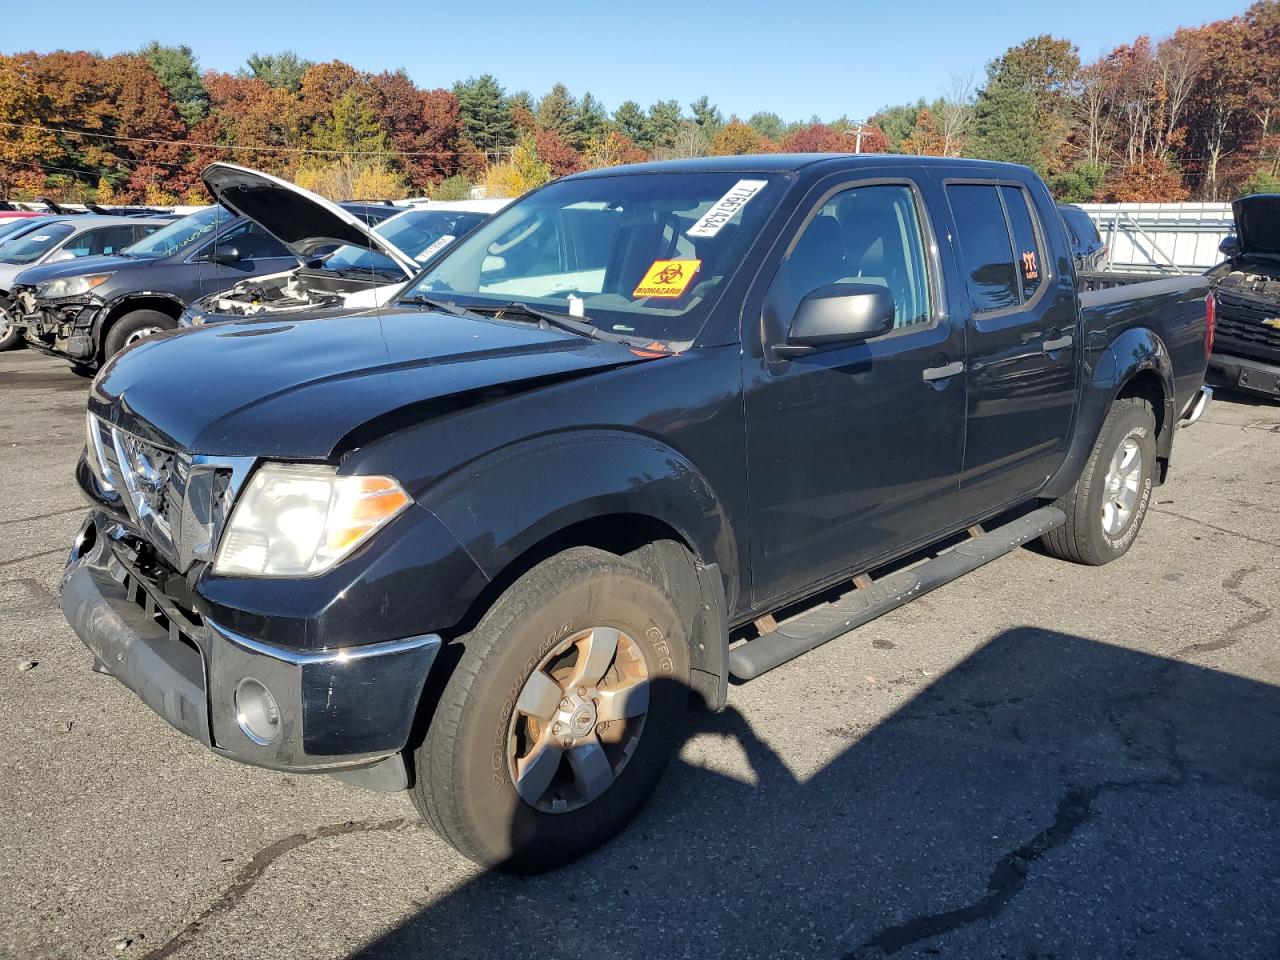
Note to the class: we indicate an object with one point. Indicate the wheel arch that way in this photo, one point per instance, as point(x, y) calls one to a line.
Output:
point(165, 303)
point(648, 503)
point(1136, 364)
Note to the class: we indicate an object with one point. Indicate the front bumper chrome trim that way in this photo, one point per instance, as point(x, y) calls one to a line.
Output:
point(338, 708)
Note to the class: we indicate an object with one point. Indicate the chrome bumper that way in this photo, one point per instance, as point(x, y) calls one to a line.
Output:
point(337, 709)
point(1195, 409)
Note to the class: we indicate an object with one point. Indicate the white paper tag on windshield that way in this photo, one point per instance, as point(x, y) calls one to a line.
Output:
point(722, 211)
point(435, 248)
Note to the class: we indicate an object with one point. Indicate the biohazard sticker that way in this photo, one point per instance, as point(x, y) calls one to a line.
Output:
point(667, 278)
point(722, 211)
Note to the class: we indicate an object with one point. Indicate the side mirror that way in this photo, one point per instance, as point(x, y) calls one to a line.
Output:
point(839, 313)
point(1230, 246)
point(225, 255)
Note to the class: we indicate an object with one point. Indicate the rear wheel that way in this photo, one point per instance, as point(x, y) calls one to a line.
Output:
point(1106, 507)
point(133, 327)
point(560, 716)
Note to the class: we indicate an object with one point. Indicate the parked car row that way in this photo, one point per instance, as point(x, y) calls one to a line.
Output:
point(295, 252)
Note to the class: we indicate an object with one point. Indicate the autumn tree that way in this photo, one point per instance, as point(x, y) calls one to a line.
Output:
point(610, 150)
point(926, 138)
point(559, 156)
point(424, 127)
point(1023, 112)
point(736, 138)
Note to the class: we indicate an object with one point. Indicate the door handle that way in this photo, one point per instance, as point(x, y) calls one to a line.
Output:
point(1060, 344)
point(941, 373)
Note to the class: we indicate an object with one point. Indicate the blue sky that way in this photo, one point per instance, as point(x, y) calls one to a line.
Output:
point(796, 58)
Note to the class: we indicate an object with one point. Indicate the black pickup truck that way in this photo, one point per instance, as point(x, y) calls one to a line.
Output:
point(488, 543)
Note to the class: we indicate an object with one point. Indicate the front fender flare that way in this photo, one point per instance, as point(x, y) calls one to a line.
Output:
point(509, 501)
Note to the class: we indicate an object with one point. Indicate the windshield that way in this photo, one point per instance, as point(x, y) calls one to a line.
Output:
point(32, 246)
point(645, 253)
point(11, 229)
point(178, 235)
point(419, 233)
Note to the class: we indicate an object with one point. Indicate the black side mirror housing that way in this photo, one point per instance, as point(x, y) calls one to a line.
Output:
point(1230, 246)
point(839, 313)
point(225, 255)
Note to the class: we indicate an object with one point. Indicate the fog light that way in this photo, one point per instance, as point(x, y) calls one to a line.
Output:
point(256, 711)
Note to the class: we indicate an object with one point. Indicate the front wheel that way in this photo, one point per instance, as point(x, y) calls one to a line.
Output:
point(10, 336)
point(560, 716)
point(1106, 507)
point(132, 327)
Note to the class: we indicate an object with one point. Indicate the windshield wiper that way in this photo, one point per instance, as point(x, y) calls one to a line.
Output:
point(561, 320)
point(444, 306)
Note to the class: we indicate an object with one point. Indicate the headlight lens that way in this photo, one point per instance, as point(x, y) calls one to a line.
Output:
point(71, 286)
point(297, 520)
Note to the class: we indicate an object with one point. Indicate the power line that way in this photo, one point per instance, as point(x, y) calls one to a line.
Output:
point(220, 146)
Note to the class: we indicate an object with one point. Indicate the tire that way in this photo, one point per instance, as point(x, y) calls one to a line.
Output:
point(10, 336)
point(466, 783)
point(1097, 531)
point(128, 328)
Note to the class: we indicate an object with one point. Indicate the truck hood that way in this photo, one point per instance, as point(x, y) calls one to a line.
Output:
point(303, 221)
point(264, 388)
point(1258, 224)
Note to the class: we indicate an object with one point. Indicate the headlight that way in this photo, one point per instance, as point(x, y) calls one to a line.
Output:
point(71, 286)
point(294, 520)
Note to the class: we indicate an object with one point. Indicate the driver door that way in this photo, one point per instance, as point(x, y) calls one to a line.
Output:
point(854, 450)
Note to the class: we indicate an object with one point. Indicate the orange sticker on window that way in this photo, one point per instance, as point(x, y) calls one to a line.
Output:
point(667, 278)
point(1030, 268)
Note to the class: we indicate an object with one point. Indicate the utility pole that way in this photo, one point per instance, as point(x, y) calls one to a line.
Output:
point(857, 143)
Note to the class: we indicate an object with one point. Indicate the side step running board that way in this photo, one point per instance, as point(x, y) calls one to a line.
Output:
point(864, 604)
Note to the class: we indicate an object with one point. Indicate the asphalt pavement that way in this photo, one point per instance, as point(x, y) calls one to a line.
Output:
point(1039, 760)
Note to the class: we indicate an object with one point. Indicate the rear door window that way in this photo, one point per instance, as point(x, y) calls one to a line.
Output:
point(1000, 247)
point(985, 248)
point(101, 241)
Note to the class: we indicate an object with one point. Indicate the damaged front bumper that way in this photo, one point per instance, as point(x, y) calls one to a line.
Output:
point(336, 711)
point(62, 327)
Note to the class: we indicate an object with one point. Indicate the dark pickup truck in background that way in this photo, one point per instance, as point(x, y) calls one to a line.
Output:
point(605, 453)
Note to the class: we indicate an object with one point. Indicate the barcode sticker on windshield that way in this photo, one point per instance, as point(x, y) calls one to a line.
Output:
point(435, 248)
point(722, 211)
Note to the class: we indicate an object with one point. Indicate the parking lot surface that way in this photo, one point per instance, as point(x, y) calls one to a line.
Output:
point(1038, 760)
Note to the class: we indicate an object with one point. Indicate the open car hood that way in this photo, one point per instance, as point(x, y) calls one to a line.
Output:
point(303, 221)
point(1258, 224)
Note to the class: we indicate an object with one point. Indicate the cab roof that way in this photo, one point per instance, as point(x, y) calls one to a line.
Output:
point(793, 163)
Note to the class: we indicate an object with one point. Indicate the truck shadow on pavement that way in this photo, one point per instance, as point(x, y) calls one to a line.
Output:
point(1051, 796)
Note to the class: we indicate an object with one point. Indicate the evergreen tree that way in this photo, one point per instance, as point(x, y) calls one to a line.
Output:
point(630, 121)
point(663, 123)
point(706, 115)
point(766, 124)
point(558, 112)
point(593, 121)
point(283, 71)
point(176, 67)
point(486, 117)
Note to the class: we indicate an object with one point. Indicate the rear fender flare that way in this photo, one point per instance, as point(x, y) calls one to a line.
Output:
point(1136, 352)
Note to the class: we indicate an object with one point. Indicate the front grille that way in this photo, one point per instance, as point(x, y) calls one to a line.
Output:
point(175, 501)
point(1241, 326)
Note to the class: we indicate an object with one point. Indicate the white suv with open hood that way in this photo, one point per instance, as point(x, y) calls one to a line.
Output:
point(368, 267)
